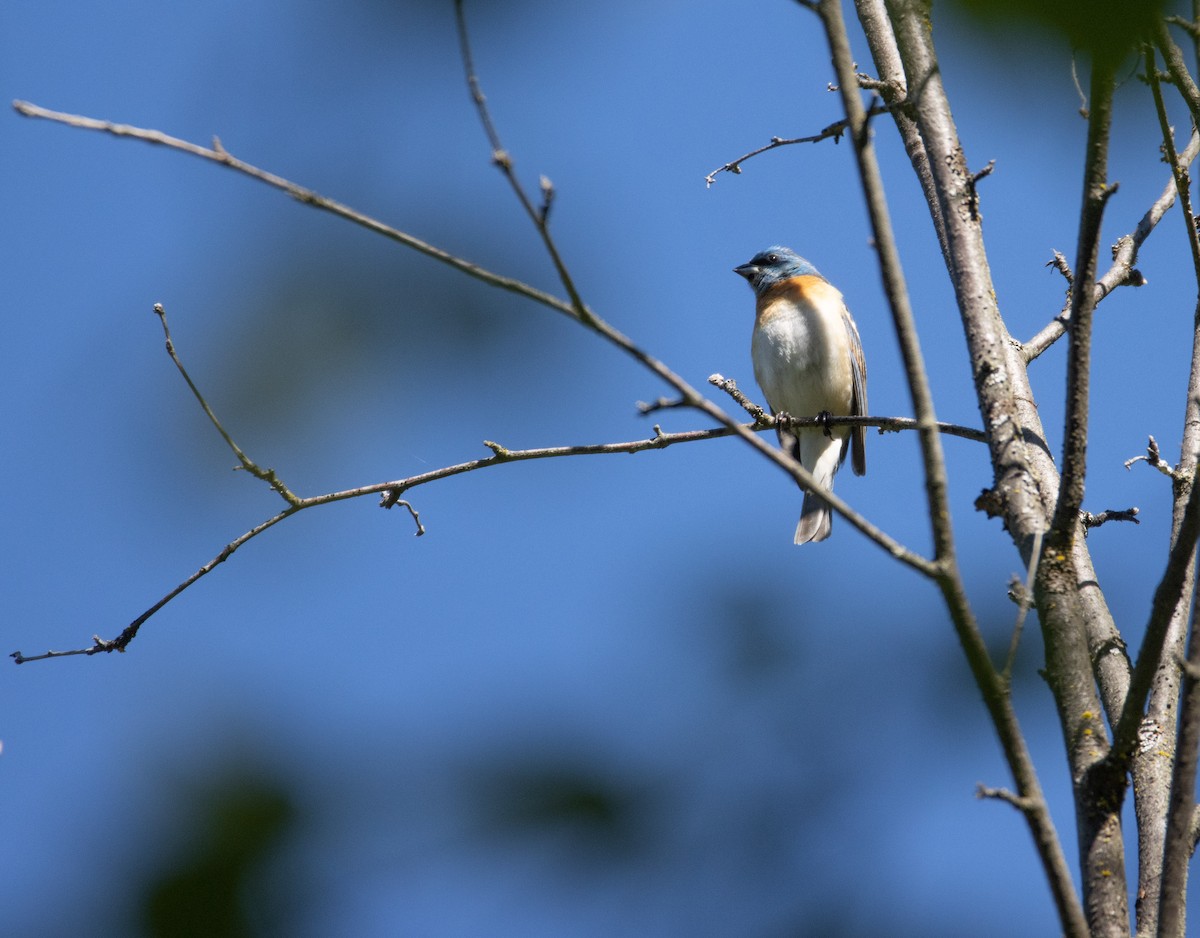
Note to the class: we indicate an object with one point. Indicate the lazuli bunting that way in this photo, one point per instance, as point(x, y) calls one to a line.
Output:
point(808, 360)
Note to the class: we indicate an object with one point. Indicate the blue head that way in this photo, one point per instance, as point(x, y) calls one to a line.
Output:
point(767, 268)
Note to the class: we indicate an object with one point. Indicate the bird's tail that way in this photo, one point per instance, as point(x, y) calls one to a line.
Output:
point(816, 520)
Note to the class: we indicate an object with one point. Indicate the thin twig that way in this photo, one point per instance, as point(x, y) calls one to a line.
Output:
point(1179, 169)
point(833, 132)
point(502, 159)
point(130, 632)
point(1025, 601)
point(266, 475)
point(218, 154)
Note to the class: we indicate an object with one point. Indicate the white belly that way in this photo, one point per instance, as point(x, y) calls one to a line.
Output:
point(802, 361)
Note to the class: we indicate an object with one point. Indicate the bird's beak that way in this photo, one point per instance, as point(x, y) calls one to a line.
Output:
point(746, 270)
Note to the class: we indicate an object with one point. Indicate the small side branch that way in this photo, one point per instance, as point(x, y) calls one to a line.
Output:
point(246, 463)
point(645, 408)
point(1090, 520)
point(539, 215)
point(1153, 459)
point(1024, 805)
point(1024, 597)
point(729, 386)
point(1060, 263)
point(832, 132)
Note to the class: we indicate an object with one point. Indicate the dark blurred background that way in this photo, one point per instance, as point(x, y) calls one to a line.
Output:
point(602, 695)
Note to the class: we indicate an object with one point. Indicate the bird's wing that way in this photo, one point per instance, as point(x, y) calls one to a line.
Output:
point(858, 400)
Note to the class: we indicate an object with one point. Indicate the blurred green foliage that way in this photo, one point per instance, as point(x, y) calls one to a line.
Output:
point(1103, 28)
point(210, 891)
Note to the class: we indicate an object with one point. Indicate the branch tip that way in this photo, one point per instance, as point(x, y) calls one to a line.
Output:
point(1153, 459)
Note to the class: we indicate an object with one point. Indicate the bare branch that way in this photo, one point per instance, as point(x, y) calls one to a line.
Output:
point(895, 288)
point(1025, 475)
point(1179, 169)
point(1181, 78)
point(391, 491)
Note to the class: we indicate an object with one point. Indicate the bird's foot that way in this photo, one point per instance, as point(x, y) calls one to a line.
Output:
point(825, 416)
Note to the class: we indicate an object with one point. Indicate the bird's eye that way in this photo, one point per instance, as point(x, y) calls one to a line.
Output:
point(772, 258)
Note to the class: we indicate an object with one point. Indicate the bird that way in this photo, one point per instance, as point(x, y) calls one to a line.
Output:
point(808, 361)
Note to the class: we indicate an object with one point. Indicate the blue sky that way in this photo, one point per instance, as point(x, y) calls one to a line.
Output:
point(791, 732)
